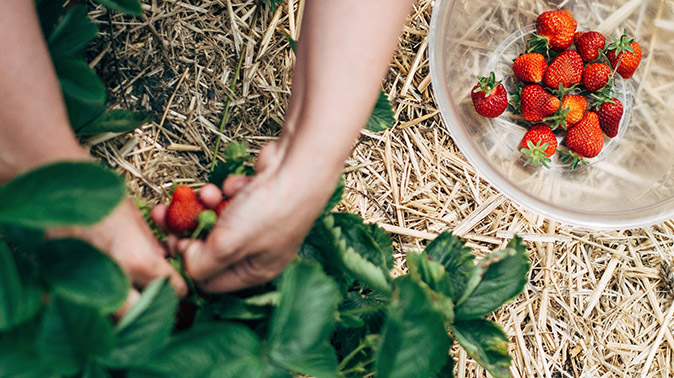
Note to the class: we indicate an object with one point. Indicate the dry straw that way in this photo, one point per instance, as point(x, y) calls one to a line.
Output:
point(598, 304)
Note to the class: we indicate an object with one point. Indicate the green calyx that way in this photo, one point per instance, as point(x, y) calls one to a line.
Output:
point(621, 45)
point(572, 158)
point(516, 101)
point(539, 44)
point(601, 97)
point(536, 154)
point(487, 84)
point(558, 118)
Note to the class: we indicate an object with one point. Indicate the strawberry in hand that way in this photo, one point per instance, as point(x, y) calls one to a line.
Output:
point(186, 214)
point(489, 97)
point(624, 55)
point(538, 145)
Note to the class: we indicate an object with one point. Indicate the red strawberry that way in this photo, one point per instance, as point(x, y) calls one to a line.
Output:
point(570, 112)
point(610, 113)
point(555, 30)
point(577, 36)
point(538, 144)
point(585, 140)
point(596, 76)
point(536, 103)
point(566, 69)
point(182, 215)
point(489, 97)
point(222, 205)
point(589, 45)
point(624, 55)
point(530, 67)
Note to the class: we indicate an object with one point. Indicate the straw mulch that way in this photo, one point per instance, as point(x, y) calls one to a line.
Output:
point(598, 304)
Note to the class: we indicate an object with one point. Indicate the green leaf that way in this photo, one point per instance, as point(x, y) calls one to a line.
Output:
point(114, 121)
point(61, 194)
point(299, 335)
point(336, 196)
point(49, 12)
point(230, 307)
point(433, 274)
point(485, 342)
point(18, 353)
point(80, 273)
point(145, 329)
point(20, 298)
point(414, 342)
point(450, 252)
point(361, 237)
point(72, 34)
point(236, 162)
point(71, 334)
point(446, 371)
point(273, 4)
point(383, 116)
point(94, 370)
point(131, 7)
point(84, 93)
point(498, 277)
point(206, 348)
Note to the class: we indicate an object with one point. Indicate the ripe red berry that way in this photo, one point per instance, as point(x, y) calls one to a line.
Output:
point(566, 69)
point(610, 113)
point(538, 145)
point(624, 55)
point(590, 44)
point(222, 205)
point(183, 212)
point(530, 67)
point(489, 97)
point(585, 140)
point(536, 103)
point(596, 76)
point(555, 29)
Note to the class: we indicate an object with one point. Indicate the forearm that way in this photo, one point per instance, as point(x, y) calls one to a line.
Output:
point(342, 56)
point(34, 126)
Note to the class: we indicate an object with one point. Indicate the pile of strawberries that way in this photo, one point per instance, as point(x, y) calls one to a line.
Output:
point(563, 89)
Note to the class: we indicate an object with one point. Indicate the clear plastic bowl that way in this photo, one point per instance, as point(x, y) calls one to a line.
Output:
point(631, 183)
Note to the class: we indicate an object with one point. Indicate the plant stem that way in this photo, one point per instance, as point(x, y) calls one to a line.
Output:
point(225, 114)
point(363, 310)
point(364, 344)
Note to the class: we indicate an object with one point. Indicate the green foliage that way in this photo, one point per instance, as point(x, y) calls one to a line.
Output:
point(485, 342)
point(66, 263)
point(131, 7)
point(20, 298)
point(382, 116)
point(237, 161)
point(60, 194)
point(115, 121)
point(273, 4)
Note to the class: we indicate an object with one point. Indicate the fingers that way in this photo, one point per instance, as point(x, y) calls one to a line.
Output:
point(210, 196)
point(202, 262)
point(147, 268)
point(235, 184)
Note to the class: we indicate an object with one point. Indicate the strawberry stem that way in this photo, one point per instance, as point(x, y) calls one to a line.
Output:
point(207, 219)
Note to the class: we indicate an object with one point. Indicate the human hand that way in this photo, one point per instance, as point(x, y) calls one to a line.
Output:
point(127, 238)
point(259, 232)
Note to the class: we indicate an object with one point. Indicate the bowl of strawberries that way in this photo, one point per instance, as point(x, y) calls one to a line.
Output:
point(563, 109)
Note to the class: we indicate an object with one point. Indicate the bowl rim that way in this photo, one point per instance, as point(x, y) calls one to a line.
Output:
point(637, 218)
